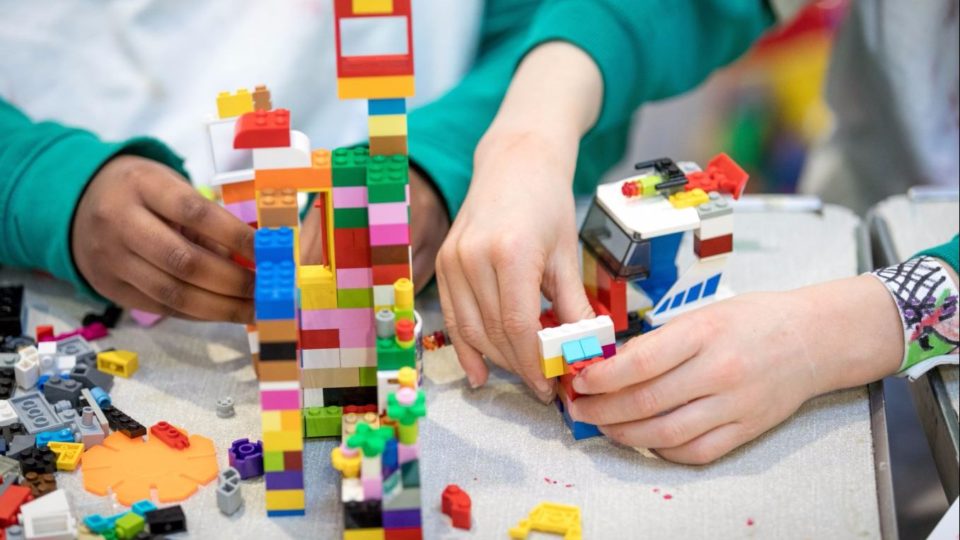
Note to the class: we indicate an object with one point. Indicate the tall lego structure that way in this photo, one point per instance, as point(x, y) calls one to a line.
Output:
point(334, 339)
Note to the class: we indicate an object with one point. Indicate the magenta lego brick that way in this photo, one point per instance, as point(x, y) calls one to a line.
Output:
point(609, 350)
point(394, 519)
point(246, 457)
point(284, 480)
point(350, 197)
point(389, 235)
point(279, 400)
point(245, 211)
point(388, 213)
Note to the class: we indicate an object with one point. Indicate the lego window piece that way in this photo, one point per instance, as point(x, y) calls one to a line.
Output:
point(373, 36)
point(376, 49)
point(621, 254)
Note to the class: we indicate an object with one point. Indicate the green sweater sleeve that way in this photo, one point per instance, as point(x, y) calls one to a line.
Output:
point(948, 252)
point(44, 170)
point(646, 50)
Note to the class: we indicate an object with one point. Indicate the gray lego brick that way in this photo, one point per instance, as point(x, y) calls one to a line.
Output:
point(35, 413)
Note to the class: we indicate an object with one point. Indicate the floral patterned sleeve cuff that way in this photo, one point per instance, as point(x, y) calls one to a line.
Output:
point(926, 298)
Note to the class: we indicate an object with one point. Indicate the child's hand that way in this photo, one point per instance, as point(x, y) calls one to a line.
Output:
point(516, 234)
point(144, 238)
point(714, 379)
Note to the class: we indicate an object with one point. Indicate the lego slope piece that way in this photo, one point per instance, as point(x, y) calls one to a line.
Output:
point(549, 517)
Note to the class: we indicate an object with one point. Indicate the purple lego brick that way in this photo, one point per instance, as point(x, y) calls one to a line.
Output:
point(247, 458)
point(609, 350)
point(284, 480)
point(394, 519)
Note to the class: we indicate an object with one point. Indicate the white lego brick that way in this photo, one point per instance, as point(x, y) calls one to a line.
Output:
point(358, 358)
point(716, 227)
point(387, 384)
point(645, 217)
point(226, 159)
point(552, 339)
point(371, 467)
point(351, 490)
point(383, 295)
point(279, 386)
point(313, 397)
point(296, 156)
point(49, 518)
point(688, 167)
point(47, 347)
point(27, 369)
point(66, 362)
point(699, 272)
point(253, 339)
point(320, 358)
point(7, 414)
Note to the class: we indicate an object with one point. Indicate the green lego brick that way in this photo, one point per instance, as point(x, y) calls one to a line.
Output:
point(649, 184)
point(387, 179)
point(129, 526)
point(354, 298)
point(322, 421)
point(350, 218)
point(410, 472)
point(391, 482)
point(403, 314)
point(350, 166)
point(390, 356)
point(368, 376)
point(273, 461)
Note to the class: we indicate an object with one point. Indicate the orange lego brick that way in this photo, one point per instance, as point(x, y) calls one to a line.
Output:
point(274, 370)
point(239, 192)
point(277, 331)
point(388, 146)
point(278, 208)
point(316, 178)
point(376, 87)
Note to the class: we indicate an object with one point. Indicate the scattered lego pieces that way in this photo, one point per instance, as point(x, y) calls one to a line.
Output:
point(456, 503)
point(552, 518)
point(169, 435)
point(225, 408)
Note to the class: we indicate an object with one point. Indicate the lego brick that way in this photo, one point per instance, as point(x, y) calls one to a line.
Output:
point(552, 339)
point(713, 246)
point(230, 105)
point(40, 460)
point(58, 389)
point(384, 87)
point(715, 227)
point(278, 208)
point(354, 278)
point(246, 457)
point(298, 155)
point(591, 347)
point(350, 197)
point(353, 258)
point(119, 421)
point(395, 519)
point(350, 218)
point(322, 421)
point(387, 179)
point(351, 238)
point(362, 515)
point(275, 291)
point(389, 213)
point(388, 146)
point(350, 167)
point(390, 356)
point(411, 473)
point(368, 376)
point(274, 244)
point(330, 378)
point(389, 274)
point(378, 107)
point(319, 339)
point(355, 298)
point(35, 413)
point(390, 235)
point(372, 7)
point(229, 497)
point(391, 125)
point(283, 440)
point(273, 461)
point(8, 416)
point(718, 206)
point(262, 129)
point(277, 331)
point(286, 499)
point(286, 513)
point(120, 363)
point(572, 351)
point(278, 351)
point(90, 377)
point(313, 397)
point(278, 371)
point(279, 396)
point(239, 192)
point(364, 534)
point(357, 338)
point(245, 211)
point(130, 525)
point(46, 437)
point(170, 520)
point(316, 177)
point(359, 357)
point(688, 199)
point(169, 435)
point(403, 533)
point(456, 503)
point(390, 256)
point(320, 358)
point(284, 480)
point(27, 369)
point(293, 460)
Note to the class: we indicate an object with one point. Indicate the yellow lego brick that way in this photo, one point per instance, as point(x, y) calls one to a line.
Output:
point(372, 7)
point(276, 441)
point(285, 499)
point(364, 534)
point(403, 294)
point(590, 273)
point(230, 105)
point(271, 421)
point(120, 363)
point(68, 454)
point(388, 125)
point(553, 367)
point(376, 87)
point(291, 420)
point(554, 518)
point(318, 297)
point(687, 199)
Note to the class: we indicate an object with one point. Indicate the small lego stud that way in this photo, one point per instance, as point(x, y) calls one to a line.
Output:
point(225, 407)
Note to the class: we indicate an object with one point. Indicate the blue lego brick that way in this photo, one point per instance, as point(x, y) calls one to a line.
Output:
point(591, 347)
point(273, 245)
point(101, 396)
point(62, 435)
point(275, 297)
point(379, 107)
point(579, 430)
point(286, 513)
point(663, 266)
point(141, 508)
point(572, 351)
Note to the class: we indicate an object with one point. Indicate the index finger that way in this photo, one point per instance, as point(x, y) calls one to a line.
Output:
point(641, 359)
point(181, 204)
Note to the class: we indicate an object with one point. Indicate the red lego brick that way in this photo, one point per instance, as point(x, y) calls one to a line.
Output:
point(320, 339)
point(45, 332)
point(455, 503)
point(566, 380)
point(293, 461)
point(352, 257)
point(262, 129)
point(722, 175)
point(169, 435)
point(388, 274)
point(713, 246)
point(403, 533)
point(377, 65)
point(358, 237)
point(359, 409)
point(10, 502)
point(612, 293)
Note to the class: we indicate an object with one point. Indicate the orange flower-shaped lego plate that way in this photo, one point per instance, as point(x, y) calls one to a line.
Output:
point(132, 468)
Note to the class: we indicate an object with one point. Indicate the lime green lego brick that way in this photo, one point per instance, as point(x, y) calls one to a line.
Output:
point(354, 298)
point(322, 421)
point(390, 356)
point(129, 526)
point(368, 376)
point(649, 184)
point(350, 218)
point(349, 166)
point(273, 461)
point(387, 179)
point(403, 314)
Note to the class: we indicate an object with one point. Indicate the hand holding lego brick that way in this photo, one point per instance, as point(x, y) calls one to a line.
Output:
point(145, 239)
point(716, 378)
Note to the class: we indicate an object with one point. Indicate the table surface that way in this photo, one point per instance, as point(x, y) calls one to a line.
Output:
point(813, 476)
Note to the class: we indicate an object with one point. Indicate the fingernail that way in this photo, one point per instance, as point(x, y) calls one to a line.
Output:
point(471, 379)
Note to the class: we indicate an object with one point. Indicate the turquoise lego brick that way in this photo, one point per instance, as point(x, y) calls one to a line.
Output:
point(382, 107)
point(273, 245)
point(354, 298)
point(275, 296)
point(349, 166)
point(390, 356)
point(387, 179)
point(591, 347)
point(350, 218)
point(410, 472)
point(572, 351)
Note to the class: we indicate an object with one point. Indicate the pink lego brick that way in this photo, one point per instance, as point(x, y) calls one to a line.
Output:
point(609, 350)
point(350, 197)
point(329, 319)
point(388, 213)
point(279, 400)
point(245, 211)
point(145, 318)
point(407, 452)
point(94, 331)
point(389, 235)
point(372, 488)
point(354, 278)
point(358, 338)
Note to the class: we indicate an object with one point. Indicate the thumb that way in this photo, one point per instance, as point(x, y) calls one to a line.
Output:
point(570, 303)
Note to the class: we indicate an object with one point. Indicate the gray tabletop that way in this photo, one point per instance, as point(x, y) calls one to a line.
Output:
point(902, 226)
point(812, 477)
